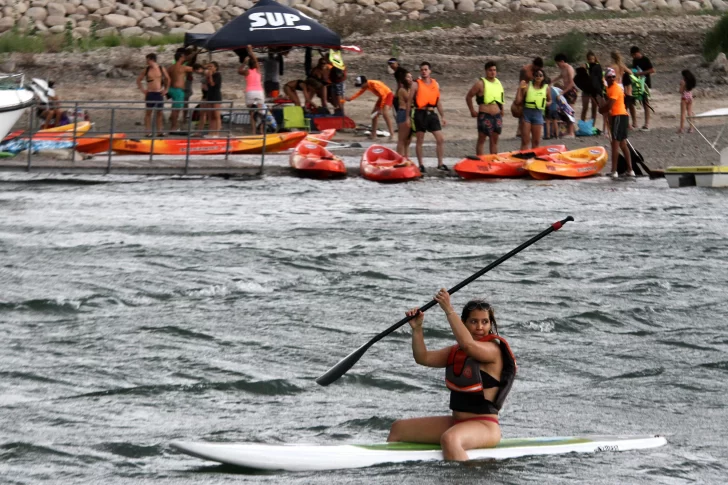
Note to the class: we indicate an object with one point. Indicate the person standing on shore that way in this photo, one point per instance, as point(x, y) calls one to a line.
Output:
point(526, 74)
point(157, 80)
point(383, 106)
point(595, 75)
point(489, 94)
point(254, 95)
point(214, 97)
point(425, 98)
point(613, 106)
point(644, 69)
point(178, 78)
point(687, 84)
point(399, 77)
point(566, 77)
point(404, 132)
point(536, 96)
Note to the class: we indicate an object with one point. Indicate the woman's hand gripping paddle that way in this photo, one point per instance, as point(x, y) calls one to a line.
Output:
point(348, 362)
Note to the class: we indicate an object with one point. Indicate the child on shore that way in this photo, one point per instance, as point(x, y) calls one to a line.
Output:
point(687, 84)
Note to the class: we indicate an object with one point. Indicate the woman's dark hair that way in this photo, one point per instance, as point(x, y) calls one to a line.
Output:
point(690, 81)
point(480, 305)
point(217, 66)
point(590, 54)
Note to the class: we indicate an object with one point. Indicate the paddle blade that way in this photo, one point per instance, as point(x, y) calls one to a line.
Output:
point(343, 366)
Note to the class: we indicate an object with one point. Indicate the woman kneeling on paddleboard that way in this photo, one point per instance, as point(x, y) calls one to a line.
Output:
point(479, 373)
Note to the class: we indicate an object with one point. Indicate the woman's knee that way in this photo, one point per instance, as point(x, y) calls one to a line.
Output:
point(395, 432)
point(450, 440)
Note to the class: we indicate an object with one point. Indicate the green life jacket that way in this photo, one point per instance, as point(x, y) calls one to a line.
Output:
point(536, 98)
point(638, 86)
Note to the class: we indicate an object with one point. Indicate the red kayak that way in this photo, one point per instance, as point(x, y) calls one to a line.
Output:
point(322, 138)
point(314, 161)
point(506, 164)
point(382, 164)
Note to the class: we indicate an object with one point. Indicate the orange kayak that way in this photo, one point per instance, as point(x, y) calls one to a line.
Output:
point(382, 164)
point(321, 138)
point(208, 146)
point(581, 163)
point(96, 144)
point(315, 161)
point(506, 164)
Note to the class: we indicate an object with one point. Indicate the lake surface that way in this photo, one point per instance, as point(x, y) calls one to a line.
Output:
point(136, 311)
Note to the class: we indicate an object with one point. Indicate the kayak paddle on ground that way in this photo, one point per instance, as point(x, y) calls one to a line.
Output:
point(348, 362)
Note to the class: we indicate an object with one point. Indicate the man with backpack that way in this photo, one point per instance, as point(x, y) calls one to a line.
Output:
point(643, 69)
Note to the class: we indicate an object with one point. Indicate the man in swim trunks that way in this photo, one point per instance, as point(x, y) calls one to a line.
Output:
point(157, 79)
point(178, 78)
point(489, 95)
point(383, 106)
point(425, 98)
point(566, 76)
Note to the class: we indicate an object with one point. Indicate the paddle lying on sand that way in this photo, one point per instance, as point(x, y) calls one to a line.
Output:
point(348, 362)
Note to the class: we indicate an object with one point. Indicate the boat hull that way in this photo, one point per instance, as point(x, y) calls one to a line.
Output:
point(208, 146)
point(709, 176)
point(12, 104)
point(581, 163)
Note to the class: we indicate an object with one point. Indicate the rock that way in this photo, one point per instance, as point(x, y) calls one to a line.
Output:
point(91, 5)
point(56, 10)
point(70, 8)
point(706, 5)
point(595, 3)
point(414, 15)
point(119, 21)
point(181, 10)
point(563, 3)
point(720, 64)
point(160, 5)
point(203, 28)
point(21, 7)
point(37, 13)
point(244, 4)
point(389, 6)
point(131, 32)
point(117, 72)
point(691, 6)
point(580, 6)
point(81, 32)
point(104, 11)
point(55, 20)
point(6, 23)
point(107, 32)
point(547, 7)
point(9, 66)
point(57, 29)
point(412, 5)
point(674, 5)
point(191, 19)
point(149, 23)
point(322, 5)
point(39, 3)
point(466, 6)
point(615, 5)
point(448, 5)
point(629, 5)
point(137, 15)
point(720, 5)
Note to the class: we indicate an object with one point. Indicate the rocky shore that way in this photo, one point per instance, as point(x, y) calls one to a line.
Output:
point(131, 18)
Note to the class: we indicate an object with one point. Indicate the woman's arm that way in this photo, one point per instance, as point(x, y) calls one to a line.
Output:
point(428, 358)
point(252, 57)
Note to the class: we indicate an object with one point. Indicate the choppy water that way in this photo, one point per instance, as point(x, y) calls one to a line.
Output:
point(138, 311)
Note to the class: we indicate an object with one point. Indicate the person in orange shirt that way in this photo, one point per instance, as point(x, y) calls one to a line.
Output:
point(383, 106)
point(618, 121)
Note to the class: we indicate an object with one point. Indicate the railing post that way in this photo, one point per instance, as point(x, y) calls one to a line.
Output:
point(265, 133)
point(75, 127)
point(229, 132)
point(31, 117)
point(111, 140)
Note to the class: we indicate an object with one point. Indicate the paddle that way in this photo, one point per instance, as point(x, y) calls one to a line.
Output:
point(348, 362)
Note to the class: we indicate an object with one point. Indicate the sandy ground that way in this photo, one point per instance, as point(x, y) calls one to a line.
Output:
point(457, 56)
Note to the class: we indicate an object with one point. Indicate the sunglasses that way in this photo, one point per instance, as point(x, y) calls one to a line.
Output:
point(477, 305)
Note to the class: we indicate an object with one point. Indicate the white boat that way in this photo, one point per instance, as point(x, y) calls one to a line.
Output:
point(14, 98)
point(298, 458)
point(706, 175)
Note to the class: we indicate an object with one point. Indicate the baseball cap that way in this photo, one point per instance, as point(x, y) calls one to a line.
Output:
point(392, 60)
point(610, 72)
point(359, 81)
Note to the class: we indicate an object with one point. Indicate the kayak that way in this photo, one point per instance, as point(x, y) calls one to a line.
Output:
point(581, 163)
point(315, 161)
point(506, 164)
point(333, 457)
point(208, 146)
point(96, 144)
point(321, 138)
point(382, 164)
point(82, 127)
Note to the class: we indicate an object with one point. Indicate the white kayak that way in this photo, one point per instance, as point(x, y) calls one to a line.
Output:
point(298, 458)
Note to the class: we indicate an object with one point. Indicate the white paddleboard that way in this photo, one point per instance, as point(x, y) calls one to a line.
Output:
point(322, 457)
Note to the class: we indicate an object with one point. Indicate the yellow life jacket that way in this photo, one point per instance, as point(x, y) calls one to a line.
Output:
point(492, 92)
point(536, 98)
point(336, 59)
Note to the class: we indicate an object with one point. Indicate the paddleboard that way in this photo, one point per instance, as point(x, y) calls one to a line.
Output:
point(333, 457)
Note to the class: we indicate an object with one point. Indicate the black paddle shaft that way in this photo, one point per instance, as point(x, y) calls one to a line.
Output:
point(348, 362)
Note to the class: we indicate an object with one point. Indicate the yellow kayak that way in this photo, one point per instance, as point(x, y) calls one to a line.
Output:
point(581, 163)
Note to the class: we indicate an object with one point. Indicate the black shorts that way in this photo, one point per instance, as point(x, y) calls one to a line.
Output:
point(270, 86)
point(628, 101)
point(154, 100)
point(490, 124)
point(620, 124)
point(426, 120)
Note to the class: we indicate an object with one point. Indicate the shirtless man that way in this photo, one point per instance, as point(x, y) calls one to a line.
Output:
point(157, 79)
point(178, 77)
point(489, 95)
point(566, 76)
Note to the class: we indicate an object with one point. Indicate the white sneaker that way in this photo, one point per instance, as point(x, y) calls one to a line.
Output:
point(613, 175)
point(629, 174)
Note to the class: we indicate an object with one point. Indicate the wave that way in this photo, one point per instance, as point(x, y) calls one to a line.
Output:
point(131, 450)
point(44, 305)
point(21, 449)
point(181, 332)
point(374, 423)
point(723, 365)
point(12, 375)
point(379, 382)
point(656, 371)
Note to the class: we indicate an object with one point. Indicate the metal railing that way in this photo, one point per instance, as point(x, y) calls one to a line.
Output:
point(113, 107)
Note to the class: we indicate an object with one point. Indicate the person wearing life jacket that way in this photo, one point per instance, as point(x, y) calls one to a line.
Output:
point(643, 69)
point(489, 94)
point(382, 106)
point(425, 99)
point(337, 78)
point(536, 96)
point(614, 107)
point(479, 371)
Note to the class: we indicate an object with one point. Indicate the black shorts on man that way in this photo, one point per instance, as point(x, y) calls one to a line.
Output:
point(620, 125)
point(426, 120)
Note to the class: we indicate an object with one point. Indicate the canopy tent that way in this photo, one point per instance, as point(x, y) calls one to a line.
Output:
point(270, 24)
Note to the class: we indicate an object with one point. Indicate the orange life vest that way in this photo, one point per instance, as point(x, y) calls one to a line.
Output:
point(427, 94)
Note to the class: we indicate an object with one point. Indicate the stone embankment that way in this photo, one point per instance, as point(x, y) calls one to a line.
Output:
point(131, 18)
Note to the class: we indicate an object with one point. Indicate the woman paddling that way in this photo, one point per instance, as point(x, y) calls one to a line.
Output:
point(479, 373)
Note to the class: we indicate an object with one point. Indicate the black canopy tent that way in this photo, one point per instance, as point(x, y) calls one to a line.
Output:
point(268, 24)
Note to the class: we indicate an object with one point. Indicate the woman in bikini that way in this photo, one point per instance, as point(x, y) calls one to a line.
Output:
point(479, 371)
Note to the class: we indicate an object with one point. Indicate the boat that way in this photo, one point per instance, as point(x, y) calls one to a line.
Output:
point(208, 146)
point(715, 176)
point(506, 164)
point(382, 164)
point(581, 163)
point(14, 98)
point(97, 144)
point(322, 138)
point(297, 458)
point(315, 161)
